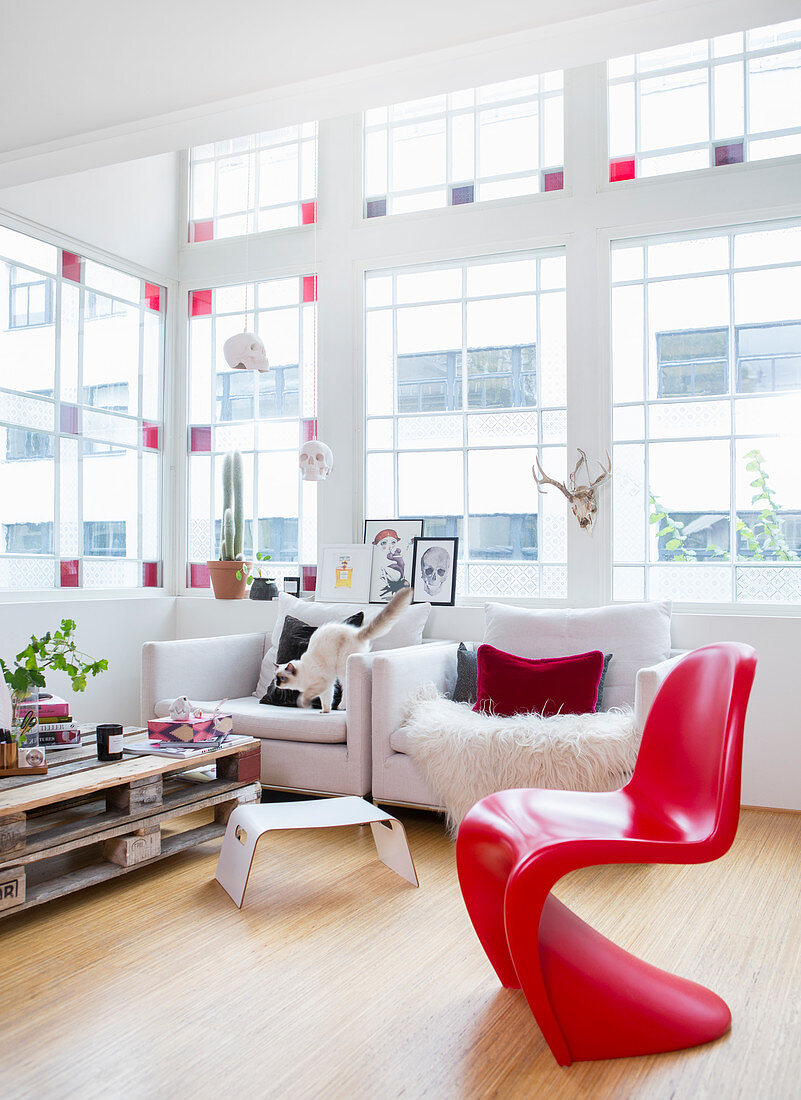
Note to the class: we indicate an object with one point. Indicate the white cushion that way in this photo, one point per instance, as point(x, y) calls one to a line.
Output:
point(636, 634)
point(406, 630)
point(280, 723)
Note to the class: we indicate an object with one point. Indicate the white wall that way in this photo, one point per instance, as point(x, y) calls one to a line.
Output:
point(129, 209)
point(110, 628)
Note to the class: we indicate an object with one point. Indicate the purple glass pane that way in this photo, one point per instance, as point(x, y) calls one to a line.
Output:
point(376, 208)
point(729, 154)
point(463, 194)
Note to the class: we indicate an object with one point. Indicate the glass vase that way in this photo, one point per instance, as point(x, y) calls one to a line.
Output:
point(25, 717)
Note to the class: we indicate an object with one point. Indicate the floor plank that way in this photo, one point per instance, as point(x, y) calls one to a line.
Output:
point(337, 979)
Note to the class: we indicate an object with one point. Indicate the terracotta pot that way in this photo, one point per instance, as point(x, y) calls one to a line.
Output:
point(224, 580)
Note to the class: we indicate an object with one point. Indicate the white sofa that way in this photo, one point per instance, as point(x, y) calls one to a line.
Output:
point(395, 778)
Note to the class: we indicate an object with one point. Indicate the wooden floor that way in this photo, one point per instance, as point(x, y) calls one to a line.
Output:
point(339, 980)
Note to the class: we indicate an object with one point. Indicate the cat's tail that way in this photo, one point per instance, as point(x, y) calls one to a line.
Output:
point(386, 616)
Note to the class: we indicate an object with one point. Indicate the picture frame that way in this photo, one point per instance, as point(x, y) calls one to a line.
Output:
point(292, 585)
point(392, 546)
point(343, 573)
point(434, 575)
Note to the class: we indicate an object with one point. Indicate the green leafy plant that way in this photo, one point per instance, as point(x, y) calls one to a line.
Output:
point(257, 569)
point(57, 650)
point(765, 538)
point(672, 530)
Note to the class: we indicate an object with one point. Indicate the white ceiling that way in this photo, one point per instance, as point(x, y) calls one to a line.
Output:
point(121, 80)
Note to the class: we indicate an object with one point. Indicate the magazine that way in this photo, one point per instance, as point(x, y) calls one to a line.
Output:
point(181, 749)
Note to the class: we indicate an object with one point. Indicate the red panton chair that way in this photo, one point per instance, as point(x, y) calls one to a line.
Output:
point(590, 998)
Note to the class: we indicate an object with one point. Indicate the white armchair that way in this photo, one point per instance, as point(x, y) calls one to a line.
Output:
point(396, 779)
point(301, 750)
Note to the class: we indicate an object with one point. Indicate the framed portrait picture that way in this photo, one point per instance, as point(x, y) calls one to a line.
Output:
point(392, 545)
point(434, 570)
point(343, 574)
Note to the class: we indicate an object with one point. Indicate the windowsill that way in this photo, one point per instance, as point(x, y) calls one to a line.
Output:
point(64, 595)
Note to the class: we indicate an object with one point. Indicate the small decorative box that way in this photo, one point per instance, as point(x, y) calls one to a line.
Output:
point(205, 728)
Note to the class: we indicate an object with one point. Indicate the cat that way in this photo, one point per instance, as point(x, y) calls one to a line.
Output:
point(315, 673)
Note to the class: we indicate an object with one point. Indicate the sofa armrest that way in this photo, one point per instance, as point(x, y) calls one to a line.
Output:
point(396, 673)
point(649, 681)
point(200, 668)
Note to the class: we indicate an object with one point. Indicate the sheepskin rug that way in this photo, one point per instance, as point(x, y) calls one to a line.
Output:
point(465, 756)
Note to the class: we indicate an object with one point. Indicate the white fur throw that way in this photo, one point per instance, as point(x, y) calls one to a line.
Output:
point(465, 756)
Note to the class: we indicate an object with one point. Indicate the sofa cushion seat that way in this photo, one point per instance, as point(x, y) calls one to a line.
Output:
point(279, 723)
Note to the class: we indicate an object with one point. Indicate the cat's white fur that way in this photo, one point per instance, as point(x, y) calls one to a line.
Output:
point(315, 673)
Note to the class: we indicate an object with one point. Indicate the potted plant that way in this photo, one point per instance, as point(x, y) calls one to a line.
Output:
point(261, 587)
point(229, 573)
point(57, 650)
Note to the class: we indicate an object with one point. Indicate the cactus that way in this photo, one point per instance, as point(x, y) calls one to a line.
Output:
point(232, 537)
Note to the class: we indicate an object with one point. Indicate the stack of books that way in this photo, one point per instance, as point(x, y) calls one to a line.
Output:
point(57, 730)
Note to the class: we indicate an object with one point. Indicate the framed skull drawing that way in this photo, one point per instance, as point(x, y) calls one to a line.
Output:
point(434, 570)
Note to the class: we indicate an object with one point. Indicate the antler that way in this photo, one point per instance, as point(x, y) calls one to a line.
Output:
point(605, 471)
point(543, 479)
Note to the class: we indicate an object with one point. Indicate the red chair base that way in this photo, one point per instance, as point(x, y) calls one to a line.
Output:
point(610, 1004)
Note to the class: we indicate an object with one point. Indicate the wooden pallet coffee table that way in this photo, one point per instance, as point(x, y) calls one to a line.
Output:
point(86, 821)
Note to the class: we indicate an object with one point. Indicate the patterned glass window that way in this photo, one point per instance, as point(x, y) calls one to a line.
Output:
point(465, 386)
point(484, 143)
point(706, 363)
point(264, 416)
point(253, 184)
point(81, 370)
point(706, 104)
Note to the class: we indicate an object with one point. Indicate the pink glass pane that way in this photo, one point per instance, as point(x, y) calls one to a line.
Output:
point(202, 231)
point(622, 169)
point(308, 213)
point(69, 419)
point(200, 437)
point(71, 266)
point(69, 573)
point(553, 181)
point(308, 429)
point(152, 296)
point(729, 154)
point(151, 574)
point(198, 575)
point(309, 288)
point(309, 574)
point(150, 435)
point(199, 303)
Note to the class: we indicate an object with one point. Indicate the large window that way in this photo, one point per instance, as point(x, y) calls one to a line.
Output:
point(253, 184)
point(81, 367)
point(264, 416)
point(466, 385)
point(706, 359)
point(704, 104)
point(484, 143)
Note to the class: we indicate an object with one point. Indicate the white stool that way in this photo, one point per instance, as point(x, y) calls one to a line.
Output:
point(247, 824)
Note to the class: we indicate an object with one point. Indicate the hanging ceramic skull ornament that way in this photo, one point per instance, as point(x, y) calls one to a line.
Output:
point(246, 351)
point(316, 460)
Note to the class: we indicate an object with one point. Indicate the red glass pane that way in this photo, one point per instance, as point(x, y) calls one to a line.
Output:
point(71, 266)
point(200, 437)
point(622, 169)
point(151, 574)
point(309, 288)
point(199, 575)
point(69, 419)
point(729, 154)
point(150, 435)
point(308, 429)
point(309, 575)
point(69, 573)
point(308, 213)
point(199, 303)
point(202, 231)
point(152, 296)
point(553, 181)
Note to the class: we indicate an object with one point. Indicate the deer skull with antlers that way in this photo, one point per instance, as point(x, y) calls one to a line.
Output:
point(581, 497)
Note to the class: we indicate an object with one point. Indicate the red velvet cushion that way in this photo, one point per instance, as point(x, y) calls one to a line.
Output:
point(553, 685)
